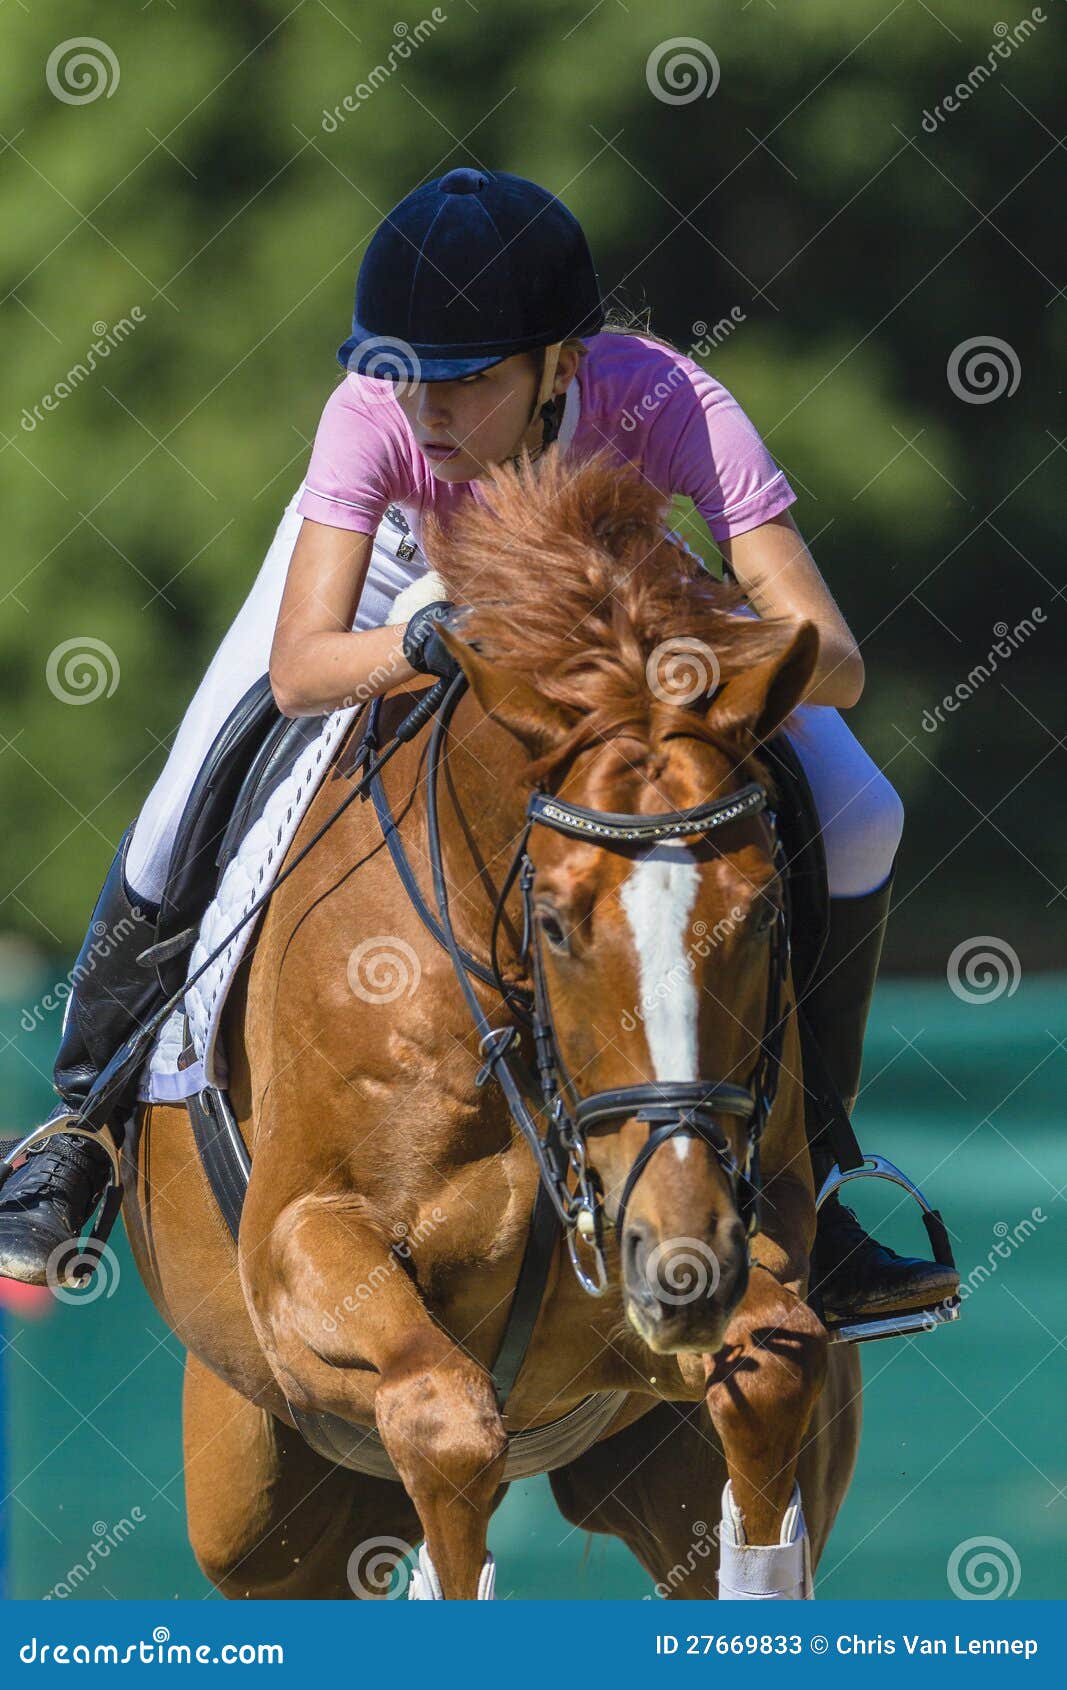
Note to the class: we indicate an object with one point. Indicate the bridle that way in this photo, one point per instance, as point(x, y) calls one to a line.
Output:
point(670, 1109)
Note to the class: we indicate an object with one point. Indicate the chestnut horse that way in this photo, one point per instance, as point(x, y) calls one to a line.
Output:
point(391, 1194)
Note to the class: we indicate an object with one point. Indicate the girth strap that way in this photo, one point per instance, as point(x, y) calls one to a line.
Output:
point(222, 1152)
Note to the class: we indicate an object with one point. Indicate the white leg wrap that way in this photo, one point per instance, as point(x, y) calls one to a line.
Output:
point(778, 1572)
point(425, 1586)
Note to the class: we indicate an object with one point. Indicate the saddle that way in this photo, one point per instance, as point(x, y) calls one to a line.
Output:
point(251, 754)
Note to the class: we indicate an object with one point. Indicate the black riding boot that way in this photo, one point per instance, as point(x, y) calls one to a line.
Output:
point(854, 1275)
point(46, 1203)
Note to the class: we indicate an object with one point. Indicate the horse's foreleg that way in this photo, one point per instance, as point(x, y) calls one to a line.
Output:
point(438, 1418)
point(348, 1332)
point(762, 1388)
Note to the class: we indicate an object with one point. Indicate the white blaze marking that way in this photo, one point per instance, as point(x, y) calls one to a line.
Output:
point(658, 896)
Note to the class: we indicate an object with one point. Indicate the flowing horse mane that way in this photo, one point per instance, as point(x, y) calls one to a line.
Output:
point(574, 585)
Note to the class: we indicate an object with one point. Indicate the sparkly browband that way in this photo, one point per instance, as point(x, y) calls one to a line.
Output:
point(675, 824)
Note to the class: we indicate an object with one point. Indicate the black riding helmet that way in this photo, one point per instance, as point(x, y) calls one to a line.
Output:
point(467, 270)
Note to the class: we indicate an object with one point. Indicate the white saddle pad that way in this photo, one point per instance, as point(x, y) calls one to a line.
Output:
point(250, 873)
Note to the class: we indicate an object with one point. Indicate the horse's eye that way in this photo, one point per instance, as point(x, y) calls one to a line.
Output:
point(552, 929)
point(764, 916)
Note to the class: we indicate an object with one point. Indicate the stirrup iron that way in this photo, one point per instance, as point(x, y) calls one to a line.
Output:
point(903, 1321)
point(64, 1121)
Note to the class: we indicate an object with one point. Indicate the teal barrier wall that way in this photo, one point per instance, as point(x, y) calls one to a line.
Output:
point(963, 1433)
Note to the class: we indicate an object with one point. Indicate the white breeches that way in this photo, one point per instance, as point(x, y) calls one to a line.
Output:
point(241, 659)
point(860, 813)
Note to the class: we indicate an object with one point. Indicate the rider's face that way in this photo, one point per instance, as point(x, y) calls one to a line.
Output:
point(481, 418)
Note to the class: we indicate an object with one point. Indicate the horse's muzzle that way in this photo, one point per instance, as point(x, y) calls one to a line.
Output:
point(680, 1292)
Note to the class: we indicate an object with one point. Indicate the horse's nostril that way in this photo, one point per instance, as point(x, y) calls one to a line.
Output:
point(634, 1254)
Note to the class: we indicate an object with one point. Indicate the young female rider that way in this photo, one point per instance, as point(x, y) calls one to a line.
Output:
point(479, 292)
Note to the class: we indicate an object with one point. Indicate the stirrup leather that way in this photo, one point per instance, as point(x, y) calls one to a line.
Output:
point(905, 1321)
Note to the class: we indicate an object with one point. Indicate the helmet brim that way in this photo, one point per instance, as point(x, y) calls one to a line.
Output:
point(429, 369)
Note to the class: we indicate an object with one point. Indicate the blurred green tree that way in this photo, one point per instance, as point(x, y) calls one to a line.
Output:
point(869, 189)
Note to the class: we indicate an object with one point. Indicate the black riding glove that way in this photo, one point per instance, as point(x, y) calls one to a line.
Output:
point(423, 646)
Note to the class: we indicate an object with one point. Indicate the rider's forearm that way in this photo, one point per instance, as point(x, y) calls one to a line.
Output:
point(332, 671)
point(838, 677)
point(780, 578)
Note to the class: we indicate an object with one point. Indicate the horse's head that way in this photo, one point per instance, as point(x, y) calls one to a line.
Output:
point(655, 956)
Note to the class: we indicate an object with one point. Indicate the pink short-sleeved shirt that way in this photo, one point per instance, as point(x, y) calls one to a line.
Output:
point(656, 408)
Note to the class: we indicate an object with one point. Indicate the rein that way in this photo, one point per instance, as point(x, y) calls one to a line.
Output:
point(669, 1108)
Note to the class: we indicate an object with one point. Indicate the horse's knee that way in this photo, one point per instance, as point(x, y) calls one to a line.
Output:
point(440, 1422)
point(768, 1378)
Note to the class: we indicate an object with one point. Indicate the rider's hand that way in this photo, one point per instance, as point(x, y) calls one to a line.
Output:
point(424, 648)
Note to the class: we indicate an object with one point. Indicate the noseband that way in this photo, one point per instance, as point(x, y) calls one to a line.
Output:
point(670, 1109)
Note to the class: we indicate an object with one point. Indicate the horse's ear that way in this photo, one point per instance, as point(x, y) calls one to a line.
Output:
point(759, 699)
point(509, 699)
